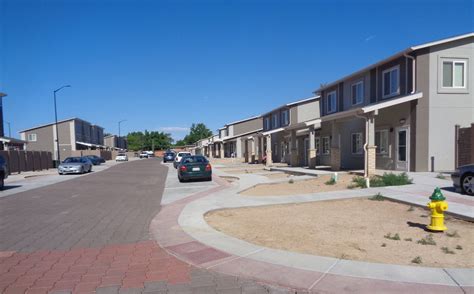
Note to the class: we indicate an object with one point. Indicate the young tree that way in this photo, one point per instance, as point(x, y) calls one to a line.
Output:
point(197, 132)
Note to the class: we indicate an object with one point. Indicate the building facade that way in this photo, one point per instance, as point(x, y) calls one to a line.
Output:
point(73, 134)
point(115, 142)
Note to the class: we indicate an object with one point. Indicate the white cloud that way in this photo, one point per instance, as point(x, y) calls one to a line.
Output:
point(174, 129)
point(370, 38)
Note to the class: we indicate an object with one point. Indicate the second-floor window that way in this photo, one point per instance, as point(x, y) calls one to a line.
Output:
point(357, 93)
point(274, 121)
point(32, 138)
point(285, 117)
point(266, 124)
point(391, 82)
point(454, 74)
point(331, 100)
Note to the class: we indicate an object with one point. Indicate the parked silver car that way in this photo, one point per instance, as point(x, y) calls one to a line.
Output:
point(463, 179)
point(75, 165)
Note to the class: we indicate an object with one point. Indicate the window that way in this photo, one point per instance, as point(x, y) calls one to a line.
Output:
point(357, 93)
point(285, 117)
point(331, 102)
point(274, 121)
point(267, 123)
point(391, 81)
point(381, 141)
point(356, 143)
point(317, 144)
point(326, 149)
point(454, 74)
point(32, 138)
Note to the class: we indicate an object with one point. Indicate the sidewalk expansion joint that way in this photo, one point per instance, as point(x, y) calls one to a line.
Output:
point(235, 258)
point(323, 275)
point(454, 280)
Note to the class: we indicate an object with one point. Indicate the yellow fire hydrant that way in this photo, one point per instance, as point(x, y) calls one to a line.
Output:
point(437, 205)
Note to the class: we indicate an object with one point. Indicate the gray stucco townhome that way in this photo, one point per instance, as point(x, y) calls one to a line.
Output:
point(290, 134)
point(400, 113)
point(235, 135)
point(74, 134)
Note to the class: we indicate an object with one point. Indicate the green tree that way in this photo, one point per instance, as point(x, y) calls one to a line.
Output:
point(149, 140)
point(197, 132)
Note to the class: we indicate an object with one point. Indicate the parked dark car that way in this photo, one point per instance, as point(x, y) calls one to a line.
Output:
point(194, 167)
point(463, 179)
point(96, 160)
point(3, 172)
point(169, 156)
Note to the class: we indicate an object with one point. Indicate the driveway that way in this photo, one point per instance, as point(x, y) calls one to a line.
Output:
point(91, 234)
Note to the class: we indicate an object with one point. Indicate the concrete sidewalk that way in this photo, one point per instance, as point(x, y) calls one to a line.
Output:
point(181, 229)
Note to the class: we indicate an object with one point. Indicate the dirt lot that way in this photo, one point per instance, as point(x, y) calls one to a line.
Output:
point(301, 187)
point(355, 229)
point(276, 175)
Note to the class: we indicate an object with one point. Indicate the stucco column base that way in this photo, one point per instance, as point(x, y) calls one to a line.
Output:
point(293, 157)
point(312, 158)
point(371, 154)
point(269, 158)
point(252, 158)
point(335, 158)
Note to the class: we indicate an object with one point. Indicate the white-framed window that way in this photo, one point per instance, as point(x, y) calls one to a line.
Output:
point(331, 100)
point(274, 121)
point(391, 82)
point(326, 150)
point(267, 123)
point(285, 117)
point(356, 143)
point(381, 141)
point(357, 93)
point(32, 138)
point(454, 74)
point(317, 144)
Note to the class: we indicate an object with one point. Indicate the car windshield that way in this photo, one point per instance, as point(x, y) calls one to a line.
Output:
point(193, 159)
point(184, 154)
point(121, 154)
point(72, 160)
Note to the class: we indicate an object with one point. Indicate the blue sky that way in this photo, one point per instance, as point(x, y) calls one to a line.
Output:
point(163, 65)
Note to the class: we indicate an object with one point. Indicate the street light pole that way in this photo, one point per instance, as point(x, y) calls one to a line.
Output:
point(9, 129)
point(56, 119)
point(120, 122)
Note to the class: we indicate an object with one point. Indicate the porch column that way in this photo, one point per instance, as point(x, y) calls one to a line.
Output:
point(335, 147)
point(211, 150)
point(293, 149)
point(252, 150)
point(260, 149)
point(369, 154)
point(269, 150)
point(222, 150)
point(312, 148)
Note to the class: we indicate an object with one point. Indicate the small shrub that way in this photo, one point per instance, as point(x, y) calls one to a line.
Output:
point(416, 260)
point(391, 179)
point(447, 250)
point(376, 182)
point(408, 239)
point(383, 245)
point(291, 181)
point(359, 182)
point(453, 234)
point(411, 208)
point(440, 176)
point(428, 240)
point(458, 247)
point(377, 197)
point(351, 186)
point(394, 237)
point(331, 181)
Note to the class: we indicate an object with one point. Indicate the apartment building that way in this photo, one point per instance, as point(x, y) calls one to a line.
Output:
point(73, 134)
point(115, 142)
point(289, 134)
point(400, 113)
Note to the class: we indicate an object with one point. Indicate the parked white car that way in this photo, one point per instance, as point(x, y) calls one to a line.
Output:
point(121, 157)
point(178, 157)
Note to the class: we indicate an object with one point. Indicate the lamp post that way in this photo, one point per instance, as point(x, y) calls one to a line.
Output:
point(56, 119)
point(118, 141)
point(9, 129)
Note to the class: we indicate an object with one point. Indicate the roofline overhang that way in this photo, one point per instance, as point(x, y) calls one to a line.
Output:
point(291, 104)
point(241, 135)
point(394, 56)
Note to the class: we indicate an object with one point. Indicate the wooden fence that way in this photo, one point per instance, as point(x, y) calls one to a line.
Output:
point(19, 161)
point(464, 144)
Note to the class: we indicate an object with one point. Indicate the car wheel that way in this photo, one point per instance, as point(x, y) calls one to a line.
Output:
point(467, 184)
point(181, 180)
point(209, 179)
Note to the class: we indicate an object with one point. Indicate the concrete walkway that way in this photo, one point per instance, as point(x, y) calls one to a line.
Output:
point(180, 228)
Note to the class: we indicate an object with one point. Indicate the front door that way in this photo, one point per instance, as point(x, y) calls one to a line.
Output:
point(403, 148)
point(305, 151)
